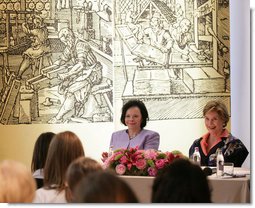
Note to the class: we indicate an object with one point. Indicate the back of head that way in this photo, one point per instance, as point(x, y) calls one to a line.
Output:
point(77, 170)
point(103, 187)
point(64, 148)
point(16, 183)
point(181, 182)
point(41, 150)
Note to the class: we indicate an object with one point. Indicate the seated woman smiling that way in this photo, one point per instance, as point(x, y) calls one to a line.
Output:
point(135, 116)
point(218, 137)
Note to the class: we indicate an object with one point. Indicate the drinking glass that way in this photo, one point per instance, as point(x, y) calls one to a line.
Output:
point(229, 168)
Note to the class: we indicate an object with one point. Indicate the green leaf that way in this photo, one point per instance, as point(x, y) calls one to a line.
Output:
point(151, 163)
point(176, 152)
point(118, 157)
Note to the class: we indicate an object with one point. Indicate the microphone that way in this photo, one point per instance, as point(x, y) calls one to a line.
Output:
point(209, 171)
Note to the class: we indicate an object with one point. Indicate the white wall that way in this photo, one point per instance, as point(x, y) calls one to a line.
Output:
point(240, 72)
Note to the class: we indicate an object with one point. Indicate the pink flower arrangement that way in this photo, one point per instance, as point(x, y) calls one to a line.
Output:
point(140, 162)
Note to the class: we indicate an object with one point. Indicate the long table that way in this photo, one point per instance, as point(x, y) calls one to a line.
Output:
point(224, 190)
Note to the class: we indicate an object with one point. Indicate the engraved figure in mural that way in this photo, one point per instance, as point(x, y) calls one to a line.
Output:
point(39, 46)
point(196, 70)
point(179, 14)
point(130, 18)
point(83, 73)
point(158, 37)
point(57, 61)
point(183, 39)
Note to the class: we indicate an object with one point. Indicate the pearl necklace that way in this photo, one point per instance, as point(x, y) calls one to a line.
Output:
point(134, 135)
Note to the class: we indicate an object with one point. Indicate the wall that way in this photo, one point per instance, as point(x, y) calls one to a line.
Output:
point(17, 142)
point(240, 75)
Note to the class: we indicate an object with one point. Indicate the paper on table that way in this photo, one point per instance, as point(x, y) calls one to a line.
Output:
point(241, 171)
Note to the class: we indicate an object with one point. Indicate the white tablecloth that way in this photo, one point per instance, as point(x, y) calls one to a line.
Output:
point(224, 190)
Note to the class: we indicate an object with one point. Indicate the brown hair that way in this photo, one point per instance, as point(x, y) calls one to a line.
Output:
point(40, 152)
point(77, 170)
point(17, 184)
point(64, 148)
point(181, 182)
point(220, 108)
point(103, 187)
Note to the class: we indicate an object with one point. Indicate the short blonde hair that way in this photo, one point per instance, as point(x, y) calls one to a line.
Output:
point(17, 184)
point(220, 108)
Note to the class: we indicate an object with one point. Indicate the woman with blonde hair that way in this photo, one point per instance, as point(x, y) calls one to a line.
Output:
point(64, 148)
point(17, 184)
point(218, 137)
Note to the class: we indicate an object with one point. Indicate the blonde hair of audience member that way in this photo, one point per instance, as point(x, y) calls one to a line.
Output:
point(103, 187)
point(17, 184)
point(77, 170)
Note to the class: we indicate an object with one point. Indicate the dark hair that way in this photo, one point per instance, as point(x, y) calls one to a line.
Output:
point(78, 169)
point(103, 187)
point(64, 148)
point(142, 108)
point(220, 108)
point(181, 182)
point(41, 150)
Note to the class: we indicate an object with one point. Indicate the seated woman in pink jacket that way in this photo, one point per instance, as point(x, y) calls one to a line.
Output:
point(134, 116)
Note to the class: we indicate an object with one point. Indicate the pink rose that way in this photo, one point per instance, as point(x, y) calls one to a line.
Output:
point(152, 171)
point(120, 169)
point(140, 164)
point(150, 154)
point(160, 163)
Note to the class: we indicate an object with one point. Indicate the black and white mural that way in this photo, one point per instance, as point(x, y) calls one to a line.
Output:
point(173, 54)
point(78, 61)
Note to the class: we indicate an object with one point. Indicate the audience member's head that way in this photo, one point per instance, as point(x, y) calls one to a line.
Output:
point(181, 182)
point(39, 156)
point(76, 171)
point(64, 148)
point(40, 150)
point(17, 184)
point(103, 187)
